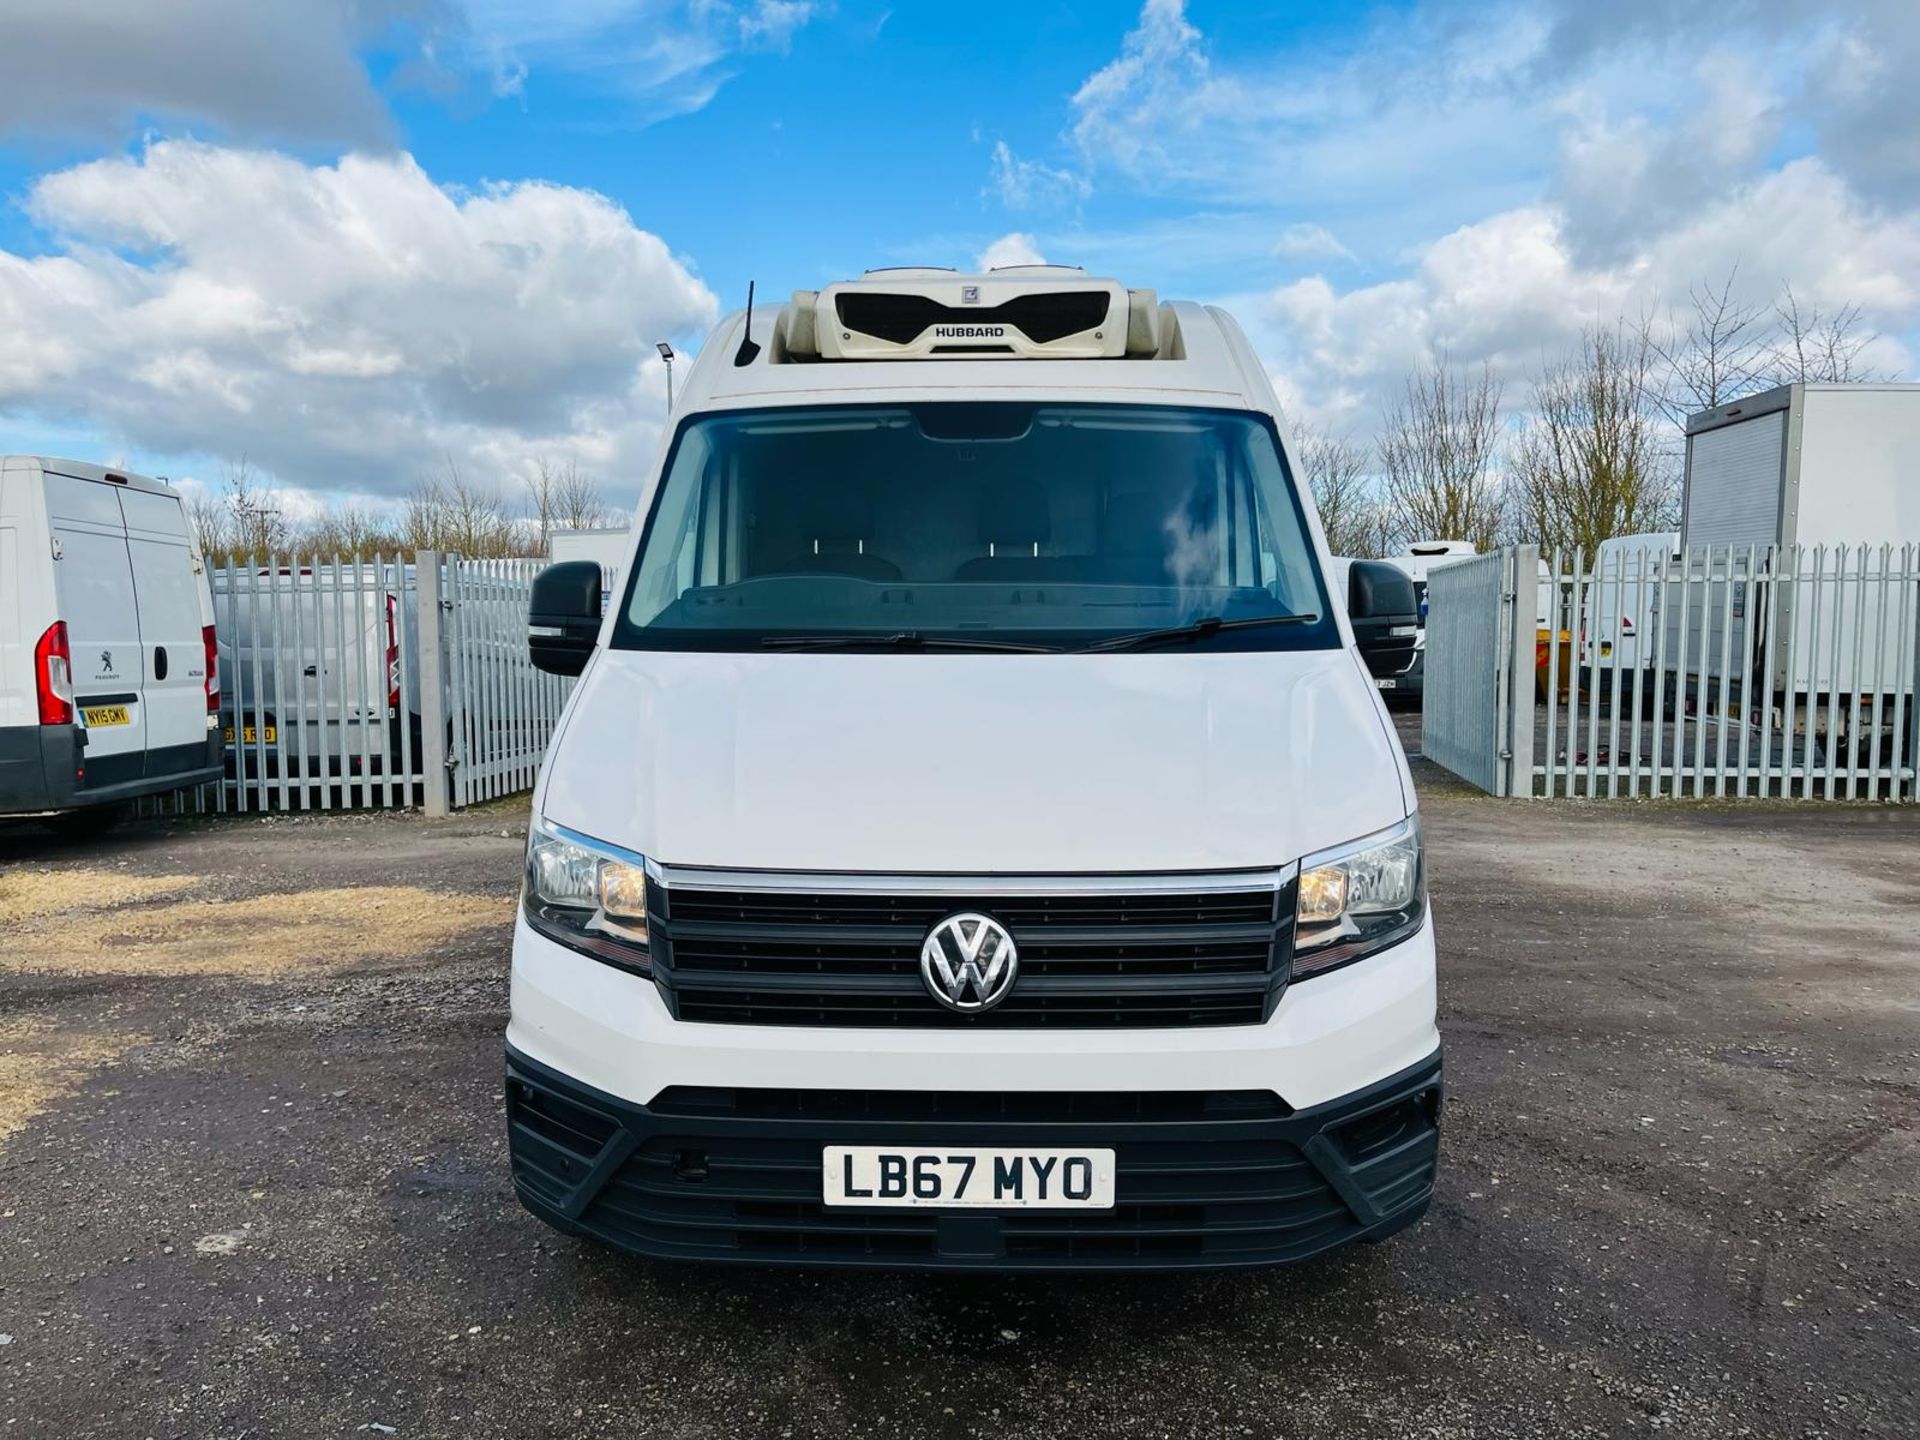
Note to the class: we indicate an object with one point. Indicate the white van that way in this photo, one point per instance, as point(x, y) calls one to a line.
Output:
point(1620, 614)
point(975, 840)
point(108, 685)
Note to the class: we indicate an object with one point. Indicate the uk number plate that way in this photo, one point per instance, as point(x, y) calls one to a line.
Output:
point(1387, 682)
point(968, 1179)
point(101, 715)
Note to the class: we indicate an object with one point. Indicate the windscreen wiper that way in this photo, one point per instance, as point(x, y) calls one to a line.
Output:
point(1194, 630)
point(900, 640)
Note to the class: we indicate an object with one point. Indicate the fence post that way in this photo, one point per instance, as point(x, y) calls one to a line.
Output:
point(433, 688)
point(1525, 585)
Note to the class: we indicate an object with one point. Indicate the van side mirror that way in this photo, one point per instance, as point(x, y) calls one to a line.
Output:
point(563, 616)
point(1385, 614)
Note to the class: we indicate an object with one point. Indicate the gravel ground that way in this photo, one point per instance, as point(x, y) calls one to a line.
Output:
point(253, 1176)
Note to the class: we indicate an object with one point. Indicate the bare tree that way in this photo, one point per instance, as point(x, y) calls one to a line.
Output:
point(1718, 350)
point(257, 526)
point(1589, 463)
point(562, 497)
point(346, 530)
point(1436, 450)
point(209, 521)
point(1814, 344)
point(579, 503)
point(449, 511)
point(1350, 508)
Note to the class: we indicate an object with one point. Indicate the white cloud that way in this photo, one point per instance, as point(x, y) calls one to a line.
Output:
point(343, 326)
point(1018, 248)
point(1497, 177)
point(251, 70)
point(773, 22)
point(1513, 288)
point(665, 57)
point(1619, 181)
point(1032, 185)
point(1307, 241)
point(1124, 108)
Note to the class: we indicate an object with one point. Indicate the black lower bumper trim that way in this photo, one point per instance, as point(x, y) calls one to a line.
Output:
point(1226, 1185)
point(44, 769)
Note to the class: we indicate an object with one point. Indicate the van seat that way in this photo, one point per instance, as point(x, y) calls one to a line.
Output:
point(1015, 522)
point(841, 522)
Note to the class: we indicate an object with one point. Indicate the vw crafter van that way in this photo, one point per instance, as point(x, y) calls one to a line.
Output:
point(975, 840)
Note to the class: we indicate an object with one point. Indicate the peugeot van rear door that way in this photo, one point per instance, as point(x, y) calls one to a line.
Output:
point(94, 591)
point(167, 594)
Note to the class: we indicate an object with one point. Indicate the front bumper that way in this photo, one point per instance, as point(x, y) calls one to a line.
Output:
point(1205, 1179)
point(1411, 681)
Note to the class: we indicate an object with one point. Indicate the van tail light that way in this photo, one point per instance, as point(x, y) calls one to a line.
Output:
point(213, 668)
point(393, 659)
point(53, 675)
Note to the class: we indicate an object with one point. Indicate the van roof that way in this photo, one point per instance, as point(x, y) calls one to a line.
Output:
point(87, 470)
point(1184, 354)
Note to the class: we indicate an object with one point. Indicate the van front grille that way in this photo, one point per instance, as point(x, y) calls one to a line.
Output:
point(1092, 961)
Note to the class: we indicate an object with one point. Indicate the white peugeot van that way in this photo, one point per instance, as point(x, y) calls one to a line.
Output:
point(108, 683)
point(975, 840)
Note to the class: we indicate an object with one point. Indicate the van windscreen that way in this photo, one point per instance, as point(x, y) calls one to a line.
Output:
point(1060, 525)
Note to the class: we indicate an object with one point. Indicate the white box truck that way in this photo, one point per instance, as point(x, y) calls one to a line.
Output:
point(1796, 482)
point(108, 686)
point(975, 841)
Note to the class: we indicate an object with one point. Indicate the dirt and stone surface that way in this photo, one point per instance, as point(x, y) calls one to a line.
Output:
point(253, 1171)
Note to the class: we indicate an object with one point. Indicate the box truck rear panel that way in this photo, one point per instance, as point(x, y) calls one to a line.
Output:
point(1734, 480)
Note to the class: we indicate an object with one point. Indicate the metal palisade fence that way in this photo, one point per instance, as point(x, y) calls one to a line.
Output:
point(1712, 672)
point(376, 684)
point(501, 711)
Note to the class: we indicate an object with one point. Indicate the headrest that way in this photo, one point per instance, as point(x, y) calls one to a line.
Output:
point(1013, 511)
point(839, 514)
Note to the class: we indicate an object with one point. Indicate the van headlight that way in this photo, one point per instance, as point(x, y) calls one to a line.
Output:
point(588, 895)
point(1359, 898)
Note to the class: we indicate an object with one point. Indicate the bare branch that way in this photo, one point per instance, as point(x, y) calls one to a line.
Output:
point(1436, 451)
point(1589, 463)
point(1819, 345)
point(1350, 509)
point(1714, 353)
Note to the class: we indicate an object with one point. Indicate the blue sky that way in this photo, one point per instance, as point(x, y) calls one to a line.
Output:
point(350, 241)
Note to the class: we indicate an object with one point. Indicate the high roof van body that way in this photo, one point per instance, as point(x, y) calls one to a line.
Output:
point(975, 840)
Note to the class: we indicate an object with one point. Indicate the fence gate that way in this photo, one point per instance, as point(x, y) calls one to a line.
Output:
point(1733, 672)
point(320, 692)
point(1469, 664)
point(501, 711)
point(359, 685)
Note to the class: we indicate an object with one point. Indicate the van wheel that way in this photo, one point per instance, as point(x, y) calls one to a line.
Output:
point(85, 824)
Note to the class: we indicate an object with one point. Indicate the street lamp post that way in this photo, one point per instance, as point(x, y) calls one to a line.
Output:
point(666, 355)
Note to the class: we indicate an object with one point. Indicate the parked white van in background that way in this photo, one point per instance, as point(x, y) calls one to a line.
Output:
point(1621, 613)
point(975, 840)
point(108, 686)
